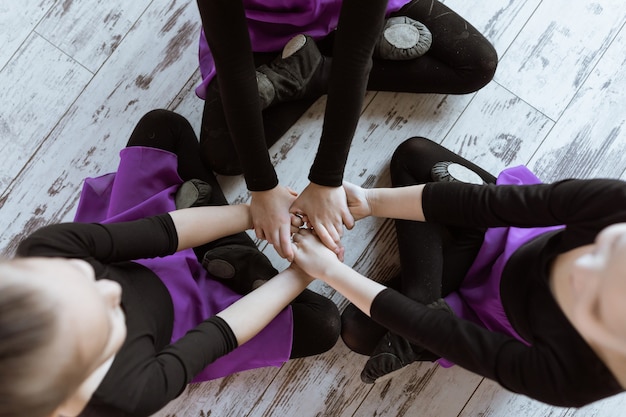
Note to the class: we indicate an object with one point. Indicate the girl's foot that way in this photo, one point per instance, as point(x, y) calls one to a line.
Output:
point(193, 193)
point(240, 267)
point(299, 72)
point(447, 171)
point(402, 38)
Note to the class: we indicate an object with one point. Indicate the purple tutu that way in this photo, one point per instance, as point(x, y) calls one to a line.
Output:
point(144, 185)
point(478, 298)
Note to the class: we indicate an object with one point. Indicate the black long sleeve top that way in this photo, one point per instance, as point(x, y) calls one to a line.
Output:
point(148, 371)
point(559, 367)
point(358, 29)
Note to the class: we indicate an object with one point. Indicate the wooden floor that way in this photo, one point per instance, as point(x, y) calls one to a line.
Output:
point(75, 76)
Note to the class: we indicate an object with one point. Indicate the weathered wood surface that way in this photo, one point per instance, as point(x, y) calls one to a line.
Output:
point(76, 76)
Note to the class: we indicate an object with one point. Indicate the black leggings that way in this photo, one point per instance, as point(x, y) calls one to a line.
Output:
point(459, 61)
point(434, 258)
point(316, 318)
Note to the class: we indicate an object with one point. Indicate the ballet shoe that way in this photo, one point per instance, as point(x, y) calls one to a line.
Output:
point(447, 171)
point(242, 268)
point(299, 72)
point(393, 353)
point(402, 38)
point(192, 193)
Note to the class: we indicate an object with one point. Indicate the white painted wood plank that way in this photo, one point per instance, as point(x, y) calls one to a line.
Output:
point(424, 390)
point(558, 48)
point(491, 400)
point(88, 138)
point(391, 119)
point(498, 21)
point(497, 130)
point(610, 407)
point(39, 85)
point(90, 31)
point(590, 138)
point(234, 395)
point(17, 20)
point(187, 104)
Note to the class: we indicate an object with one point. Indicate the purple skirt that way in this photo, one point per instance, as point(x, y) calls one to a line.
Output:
point(272, 24)
point(478, 298)
point(144, 185)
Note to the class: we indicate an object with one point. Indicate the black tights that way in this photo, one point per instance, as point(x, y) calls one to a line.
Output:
point(459, 61)
point(316, 318)
point(434, 258)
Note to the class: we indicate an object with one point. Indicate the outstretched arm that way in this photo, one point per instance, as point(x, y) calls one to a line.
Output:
point(199, 225)
point(403, 203)
point(358, 29)
point(317, 260)
point(176, 365)
point(323, 201)
point(250, 314)
point(225, 27)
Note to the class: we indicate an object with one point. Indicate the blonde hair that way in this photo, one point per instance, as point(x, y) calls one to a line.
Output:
point(33, 383)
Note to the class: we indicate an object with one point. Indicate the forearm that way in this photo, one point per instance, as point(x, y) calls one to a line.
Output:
point(358, 289)
point(250, 314)
point(403, 203)
point(225, 28)
point(358, 29)
point(199, 225)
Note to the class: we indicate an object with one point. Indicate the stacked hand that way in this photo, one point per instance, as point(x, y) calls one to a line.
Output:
point(280, 212)
point(271, 219)
point(311, 255)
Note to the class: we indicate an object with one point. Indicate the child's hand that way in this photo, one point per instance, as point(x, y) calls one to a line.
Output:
point(311, 255)
point(357, 200)
point(297, 222)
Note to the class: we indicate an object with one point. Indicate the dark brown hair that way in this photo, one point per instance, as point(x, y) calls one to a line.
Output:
point(32, 383)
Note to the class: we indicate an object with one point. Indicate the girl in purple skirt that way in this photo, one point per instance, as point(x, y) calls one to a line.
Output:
point(520, 282)
point(254, 93)
point(115, 310)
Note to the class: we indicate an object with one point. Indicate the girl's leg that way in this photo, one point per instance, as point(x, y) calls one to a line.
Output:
point(164, 129)
point(216, 145)
point(316, 324)
point(359, 332)
point(433, 258)
point(460, 60)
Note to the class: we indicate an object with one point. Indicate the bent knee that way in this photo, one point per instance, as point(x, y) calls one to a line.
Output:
point(412, 148)
point(162, 115)
point(481, 70)
point(218, 151)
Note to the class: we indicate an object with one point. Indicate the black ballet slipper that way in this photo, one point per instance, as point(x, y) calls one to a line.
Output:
point(242, 268)
point(447, 171)
point(393, 353)
point(193, 193)
point(299, 72)
point(402, 38)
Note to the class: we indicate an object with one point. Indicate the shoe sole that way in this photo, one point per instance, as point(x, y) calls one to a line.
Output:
point(388, 376)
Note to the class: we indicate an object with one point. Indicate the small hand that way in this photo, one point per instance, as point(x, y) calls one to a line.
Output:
point(311, 254)
point(297, 222)
point(357, 200)
point(325, 210)
point(271, 219)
